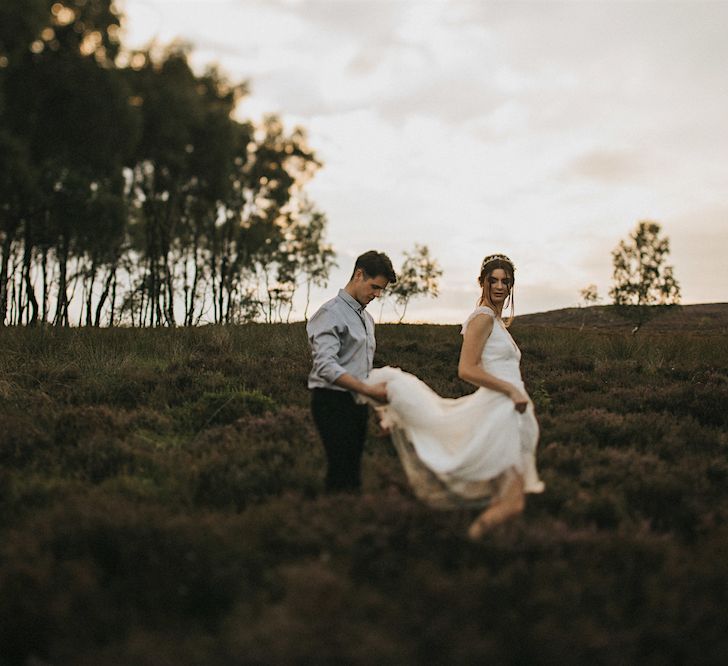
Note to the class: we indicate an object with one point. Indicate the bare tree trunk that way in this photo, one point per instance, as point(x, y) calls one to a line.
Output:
point(13, 304)
point(74, 285)
point(158, 296)
point(213, 277)
point(44, 275)
point(84, 282)
point(404, 311)
point(21, 289)
point(105, 293)
point(143, 291)
point(186, 287)
point(4, 262)
point(201, 311)
point(61, 316)
point(89, 296)
point(170, 293)
point(29, 290)
point(186, 294)
point(230, 304)
point(153, 295)
point(290, 306)
point(113, 301)
point(223, 278)
point(195, 281)
point(308, 300)
point(267, 292)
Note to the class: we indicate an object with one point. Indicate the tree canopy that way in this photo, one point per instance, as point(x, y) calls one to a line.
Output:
point(419, 275)
point(641, 274)
point(130, 193)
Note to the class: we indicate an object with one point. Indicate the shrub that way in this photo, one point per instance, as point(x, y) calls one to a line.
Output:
point(226, 407)
point(160, 502)
point(22, 440)
point(234, 471)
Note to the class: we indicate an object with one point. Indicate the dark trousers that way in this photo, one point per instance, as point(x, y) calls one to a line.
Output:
point(342, 424)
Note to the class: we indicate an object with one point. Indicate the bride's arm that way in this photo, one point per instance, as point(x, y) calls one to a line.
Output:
point(470, 368)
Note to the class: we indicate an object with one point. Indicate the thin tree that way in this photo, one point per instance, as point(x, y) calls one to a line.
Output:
point(642, 278)
point(590, 295)
point(307, 252)
point(641, 274)
point(419, 276)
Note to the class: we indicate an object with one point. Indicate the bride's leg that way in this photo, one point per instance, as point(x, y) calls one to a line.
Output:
point(510, 504)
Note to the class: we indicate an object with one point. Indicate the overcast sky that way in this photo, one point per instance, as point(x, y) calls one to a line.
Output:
point(543, 130)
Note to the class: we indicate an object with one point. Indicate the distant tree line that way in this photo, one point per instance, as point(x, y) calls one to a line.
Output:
point(128, 189)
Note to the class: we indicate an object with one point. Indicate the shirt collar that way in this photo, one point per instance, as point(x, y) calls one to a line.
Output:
point(351, 301)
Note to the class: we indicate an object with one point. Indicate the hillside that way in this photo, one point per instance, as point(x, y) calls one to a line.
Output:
point(161, 503)
point(701, 318)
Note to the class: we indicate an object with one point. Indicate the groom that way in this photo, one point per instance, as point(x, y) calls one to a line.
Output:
point(341, 335)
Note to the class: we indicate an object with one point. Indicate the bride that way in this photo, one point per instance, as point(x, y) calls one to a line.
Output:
point(477, 451)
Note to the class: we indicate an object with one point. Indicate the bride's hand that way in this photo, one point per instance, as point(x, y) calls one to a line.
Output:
point(520, 400)
point(383, 422)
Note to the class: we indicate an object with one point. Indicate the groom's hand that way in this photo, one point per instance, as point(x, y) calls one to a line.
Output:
point(378, 392)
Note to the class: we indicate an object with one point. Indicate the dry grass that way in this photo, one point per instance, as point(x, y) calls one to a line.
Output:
point(160, 502)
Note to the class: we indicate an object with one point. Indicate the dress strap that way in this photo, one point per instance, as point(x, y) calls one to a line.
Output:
point(481, 309)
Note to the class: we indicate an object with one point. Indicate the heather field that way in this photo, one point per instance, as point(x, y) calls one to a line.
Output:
point(160, 503)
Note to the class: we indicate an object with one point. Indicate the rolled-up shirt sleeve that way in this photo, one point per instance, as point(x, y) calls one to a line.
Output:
point(325, 347)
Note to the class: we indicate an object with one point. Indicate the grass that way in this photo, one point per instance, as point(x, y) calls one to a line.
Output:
point(161, 502)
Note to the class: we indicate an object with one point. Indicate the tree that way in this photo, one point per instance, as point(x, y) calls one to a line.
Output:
point(590, 294)
point(641, 276)
point(128, 190)
point(306, 252)
point(64, 100)
point(418, 276)
point(16, 197)
point(317, 257)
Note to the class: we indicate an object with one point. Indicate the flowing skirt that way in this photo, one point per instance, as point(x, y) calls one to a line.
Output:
point(459, 452)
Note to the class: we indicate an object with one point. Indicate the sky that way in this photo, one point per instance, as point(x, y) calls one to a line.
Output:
point(542, 130)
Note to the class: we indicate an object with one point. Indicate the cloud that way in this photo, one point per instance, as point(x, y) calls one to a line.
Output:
point(607, 166)
point(544, 130)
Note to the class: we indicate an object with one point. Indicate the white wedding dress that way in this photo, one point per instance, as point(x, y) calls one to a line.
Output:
point(463, 452)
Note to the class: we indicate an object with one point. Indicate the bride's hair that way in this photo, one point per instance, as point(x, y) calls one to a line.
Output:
point(491, 263)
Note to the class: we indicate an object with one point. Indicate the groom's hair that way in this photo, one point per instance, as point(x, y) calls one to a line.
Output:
point(375, 263)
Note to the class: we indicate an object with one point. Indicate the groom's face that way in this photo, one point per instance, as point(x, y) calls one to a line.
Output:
point(367, 288)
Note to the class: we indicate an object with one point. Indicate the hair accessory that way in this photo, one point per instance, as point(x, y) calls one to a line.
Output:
point(496, 257)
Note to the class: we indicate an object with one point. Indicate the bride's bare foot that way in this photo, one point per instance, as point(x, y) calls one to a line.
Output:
point(479, 528)
point(494, 516)
point(510, 505)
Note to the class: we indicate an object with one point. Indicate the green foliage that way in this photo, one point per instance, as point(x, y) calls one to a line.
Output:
point(305, 252)
point(161, 502)
point(130, 168)
point(221, 408)
point(419, 276)
point(641, 276)
point(590, 294)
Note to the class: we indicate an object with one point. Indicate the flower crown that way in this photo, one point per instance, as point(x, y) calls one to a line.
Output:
point(496, 257)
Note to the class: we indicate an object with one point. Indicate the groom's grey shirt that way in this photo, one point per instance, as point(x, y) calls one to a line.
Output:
point(341, 335)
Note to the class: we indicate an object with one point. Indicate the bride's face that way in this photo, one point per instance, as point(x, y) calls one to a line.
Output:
point(499, 286)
